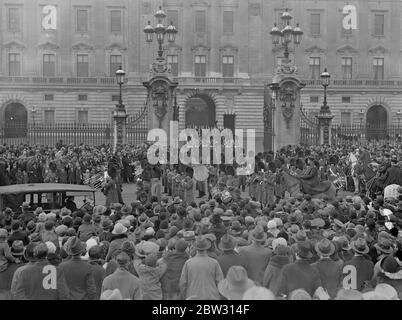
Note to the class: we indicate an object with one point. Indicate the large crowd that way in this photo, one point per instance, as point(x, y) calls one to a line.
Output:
point(228, 237)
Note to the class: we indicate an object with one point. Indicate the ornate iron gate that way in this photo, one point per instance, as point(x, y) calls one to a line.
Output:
point(309, 129)
point(137, 127)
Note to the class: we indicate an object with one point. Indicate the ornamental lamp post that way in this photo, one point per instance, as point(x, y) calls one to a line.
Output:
point(33, 112)
point(161, 31)
point(119, 115)
point(325, 77)
point(287, 34)
point(325, 116)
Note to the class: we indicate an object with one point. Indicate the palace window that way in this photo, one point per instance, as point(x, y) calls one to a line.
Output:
point(82, 65)
point(347, 68)
point(14, 64)
point(315, 67)
point(228, 21)
point(174, 64)
point(115, 21)
point(115, 63)
point(315, 24)
point(379, 24)
point(378, 68)
point(200, 21)
point(82, 20)
point(200, 66)
point(49, 65)
point(14, 21)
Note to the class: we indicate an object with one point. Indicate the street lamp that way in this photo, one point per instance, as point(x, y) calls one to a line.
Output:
point(120, 74)
point(287, 34)
point(325, 76)
point(161, 31)
point(119, 114)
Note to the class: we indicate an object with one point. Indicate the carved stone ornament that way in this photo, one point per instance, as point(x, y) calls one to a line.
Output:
point(287, 95)
point(160, 96)
point(286, 67)
point(160, 66)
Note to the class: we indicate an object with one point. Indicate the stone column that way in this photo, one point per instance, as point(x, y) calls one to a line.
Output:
point(160, 102)
point(119, 137)
point(324, 123)
point(286, 118)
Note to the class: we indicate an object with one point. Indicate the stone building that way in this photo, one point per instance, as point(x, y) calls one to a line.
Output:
point(58, 58)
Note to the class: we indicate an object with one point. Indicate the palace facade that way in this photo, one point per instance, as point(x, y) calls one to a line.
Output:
point(58, 58)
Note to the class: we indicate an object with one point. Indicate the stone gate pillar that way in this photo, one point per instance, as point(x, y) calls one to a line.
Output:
point(286, 118)
point(160, 101)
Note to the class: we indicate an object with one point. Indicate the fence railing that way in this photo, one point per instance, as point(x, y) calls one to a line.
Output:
point(50, 134)
point(366, 134)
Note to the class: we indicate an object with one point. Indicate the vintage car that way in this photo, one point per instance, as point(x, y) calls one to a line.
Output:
point(49, 196)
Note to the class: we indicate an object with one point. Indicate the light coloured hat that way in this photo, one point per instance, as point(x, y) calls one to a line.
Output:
point(119, 229)
point(258, 293)
point(149, 232)
point(235, 284)
point(271, 224)
point(42, 217)
point(279, 242)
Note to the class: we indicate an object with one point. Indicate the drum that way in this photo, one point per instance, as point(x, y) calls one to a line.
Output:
point(201, 173)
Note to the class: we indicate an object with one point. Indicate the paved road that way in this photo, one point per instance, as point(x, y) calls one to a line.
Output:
point(129, 194)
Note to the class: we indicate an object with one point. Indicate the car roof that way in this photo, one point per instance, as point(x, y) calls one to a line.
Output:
point(44, 188)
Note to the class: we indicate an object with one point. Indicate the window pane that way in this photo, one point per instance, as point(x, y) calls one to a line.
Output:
point(83, 116)
point(82, 65)
point(315, 67)
point(315, 23)
point(173, 61)
point(172, 16)
point(14, 19)
point(379, 24)
point(115, 63)
point(14, 64)
point(49, 65)
point(82, 20)
point(115, 20)
point(228, 21)
point(200, 66)
point(200, 21)
point(346, 118)
point(49, 116)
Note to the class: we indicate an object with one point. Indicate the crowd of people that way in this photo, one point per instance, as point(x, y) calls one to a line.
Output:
point(262, 242)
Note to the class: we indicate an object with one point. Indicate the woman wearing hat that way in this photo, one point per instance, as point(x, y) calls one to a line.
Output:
point(276, 264)
point(201, 274)
point(119, 235)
